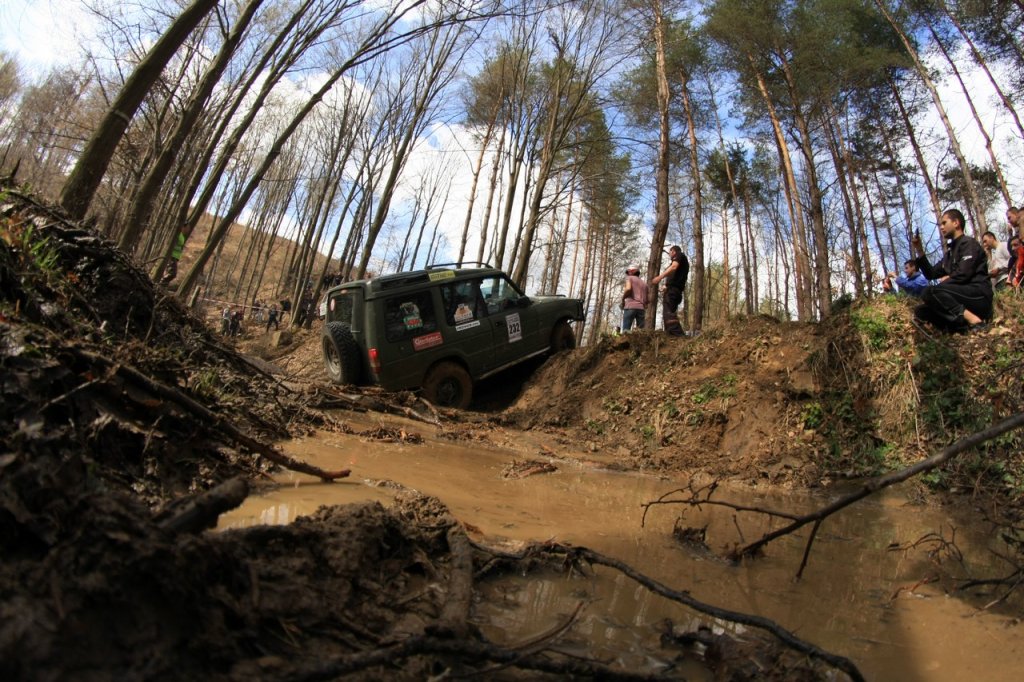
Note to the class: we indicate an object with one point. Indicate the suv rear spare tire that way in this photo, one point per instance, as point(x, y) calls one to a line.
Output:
point(562, 337)
point(341, 354)
point(448, 385)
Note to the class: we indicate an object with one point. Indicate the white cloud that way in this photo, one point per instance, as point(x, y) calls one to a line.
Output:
point(44, 34)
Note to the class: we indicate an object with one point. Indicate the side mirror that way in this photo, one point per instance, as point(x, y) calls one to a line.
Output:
point(523, 301)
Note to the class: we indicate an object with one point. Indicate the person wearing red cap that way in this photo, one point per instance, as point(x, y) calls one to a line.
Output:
point(634, 300)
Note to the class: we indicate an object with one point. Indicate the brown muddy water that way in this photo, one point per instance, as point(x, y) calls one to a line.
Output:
point(856, 598)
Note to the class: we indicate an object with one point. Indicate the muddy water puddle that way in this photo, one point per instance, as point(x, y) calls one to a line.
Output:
point(875, 606)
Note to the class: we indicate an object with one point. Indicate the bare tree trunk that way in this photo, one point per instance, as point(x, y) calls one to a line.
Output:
point(801, 262)
point(834, 139)
point(954, 143)
point(977, 120)
point(933, 195)
point(981, 62)
point(92, 165)
point(476, 177)
point(142, 206)
point(662, 159)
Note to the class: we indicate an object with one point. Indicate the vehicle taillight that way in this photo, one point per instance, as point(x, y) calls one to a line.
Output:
point(374, 361)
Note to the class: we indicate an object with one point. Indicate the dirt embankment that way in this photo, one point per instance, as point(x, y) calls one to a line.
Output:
point(766, 402)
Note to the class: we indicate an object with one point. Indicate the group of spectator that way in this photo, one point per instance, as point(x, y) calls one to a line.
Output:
point(634, 296)
point(956, 293)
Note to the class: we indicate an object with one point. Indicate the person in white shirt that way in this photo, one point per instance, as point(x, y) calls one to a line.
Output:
point(998, 259)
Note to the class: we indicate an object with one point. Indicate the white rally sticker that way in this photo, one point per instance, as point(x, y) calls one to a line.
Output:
point(515, 328)
point(468, 325)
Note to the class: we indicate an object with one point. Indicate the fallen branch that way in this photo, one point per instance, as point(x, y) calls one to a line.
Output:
point(211, 418)
point(198, 513)
point(469, 650)
point(574, 554)
point(881, 482)
point(695, 499)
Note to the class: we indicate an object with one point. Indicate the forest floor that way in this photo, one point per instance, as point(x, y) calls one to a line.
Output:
point(129, 425)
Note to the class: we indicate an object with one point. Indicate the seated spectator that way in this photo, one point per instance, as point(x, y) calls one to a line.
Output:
point(998, 259)
point(961, 299)
point(912, 282)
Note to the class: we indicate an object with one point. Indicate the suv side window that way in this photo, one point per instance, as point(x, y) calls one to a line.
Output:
point(499, 294)
point(341, 305)
point(463, 302)
point(409, 315)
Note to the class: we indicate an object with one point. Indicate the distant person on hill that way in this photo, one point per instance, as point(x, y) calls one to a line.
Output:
point(272, 318)
point(912, 282)
point(172, 266)
point(236, 322)
point(286, 306)
point(998, 259)
point(675, 282)
point(634, 300)
point(961, 299)
point(225, 321)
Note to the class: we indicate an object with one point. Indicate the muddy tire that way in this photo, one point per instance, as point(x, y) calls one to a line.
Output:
point(562, 337)
point(341, 354)
point(448, 385)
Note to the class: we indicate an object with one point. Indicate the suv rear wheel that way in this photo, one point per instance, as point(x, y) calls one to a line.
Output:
point(562, 337)
point(341, 354)
point(448, 385)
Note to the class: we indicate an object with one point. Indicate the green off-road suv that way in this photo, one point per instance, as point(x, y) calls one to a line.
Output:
point(439, 329)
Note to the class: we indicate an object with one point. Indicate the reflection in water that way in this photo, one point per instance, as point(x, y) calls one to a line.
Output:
point(843, 604)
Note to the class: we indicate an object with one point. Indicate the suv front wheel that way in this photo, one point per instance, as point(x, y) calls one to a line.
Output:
point(448, 385)
point(341, 353)
point(562, 337)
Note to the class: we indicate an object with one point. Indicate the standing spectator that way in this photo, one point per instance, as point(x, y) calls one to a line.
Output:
point(272, 318)
point(961, 299)
point(225, 321)
point(634, 300)
point(1015, 268)
point(236, 322)
point(998, 259)
point(675, 283)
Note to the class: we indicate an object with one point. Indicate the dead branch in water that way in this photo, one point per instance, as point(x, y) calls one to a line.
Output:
point(873, 485)
point(576, 555)
point(869, 487)
point(697, 497)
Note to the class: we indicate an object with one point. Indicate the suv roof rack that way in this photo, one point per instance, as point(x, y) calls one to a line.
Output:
point(458, 265)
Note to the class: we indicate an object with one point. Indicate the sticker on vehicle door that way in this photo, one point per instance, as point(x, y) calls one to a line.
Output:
point(463, 313)
point(515, 328)
point(468, 325)
point(427, 341)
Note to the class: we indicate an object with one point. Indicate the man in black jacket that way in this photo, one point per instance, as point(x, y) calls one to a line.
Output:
point(962, 298)
point(675, 276)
